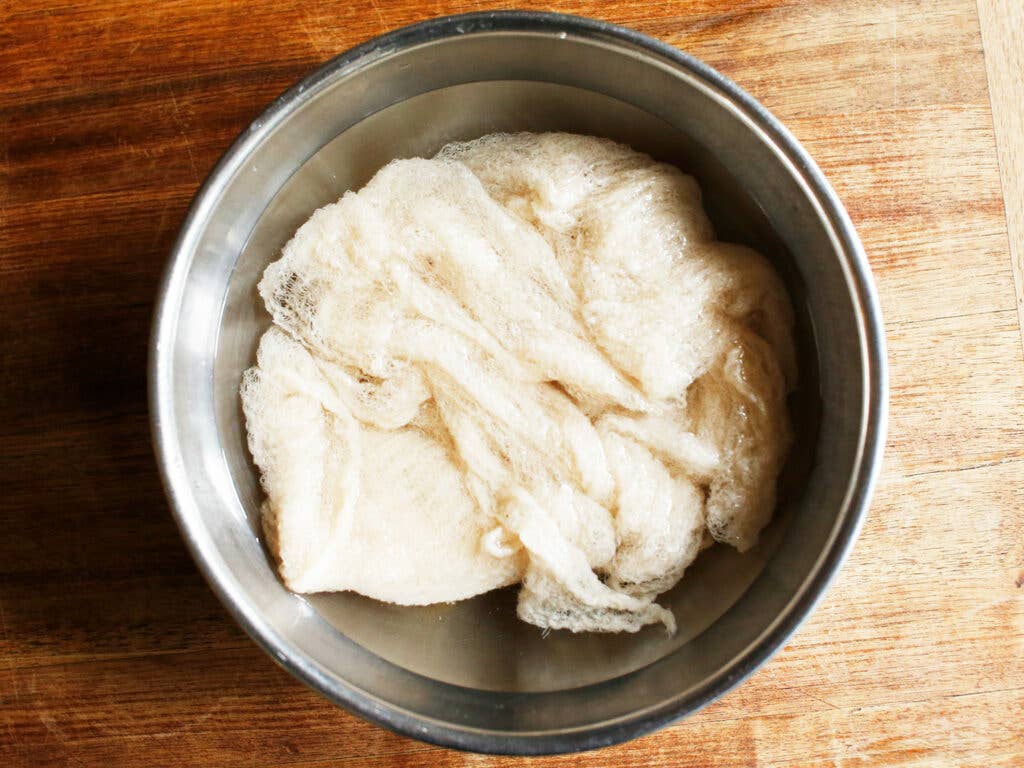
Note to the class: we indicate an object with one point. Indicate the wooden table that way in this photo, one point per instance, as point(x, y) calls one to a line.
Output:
point(113, 652)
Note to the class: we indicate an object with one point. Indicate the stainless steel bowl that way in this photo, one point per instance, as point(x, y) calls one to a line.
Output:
point(470, 675)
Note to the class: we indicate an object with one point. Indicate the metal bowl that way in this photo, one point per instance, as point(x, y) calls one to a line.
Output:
point(470, 675)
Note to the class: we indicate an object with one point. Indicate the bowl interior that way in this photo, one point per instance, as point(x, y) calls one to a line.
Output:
point(480, 643)
point(472, 667)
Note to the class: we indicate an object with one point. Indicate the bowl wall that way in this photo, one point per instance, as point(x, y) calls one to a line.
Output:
point(470, 674)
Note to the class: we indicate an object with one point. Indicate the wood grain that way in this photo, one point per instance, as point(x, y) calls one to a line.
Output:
point(112, 649)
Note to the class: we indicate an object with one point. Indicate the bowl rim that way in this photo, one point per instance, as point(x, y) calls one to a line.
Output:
point(861, 485)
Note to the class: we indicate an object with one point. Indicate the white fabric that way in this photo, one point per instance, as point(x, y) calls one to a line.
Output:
point(524, 360)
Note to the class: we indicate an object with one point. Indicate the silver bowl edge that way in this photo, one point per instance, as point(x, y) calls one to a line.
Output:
point(873, 428)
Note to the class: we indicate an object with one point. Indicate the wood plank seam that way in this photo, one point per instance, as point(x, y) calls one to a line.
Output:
point(1002, 33)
